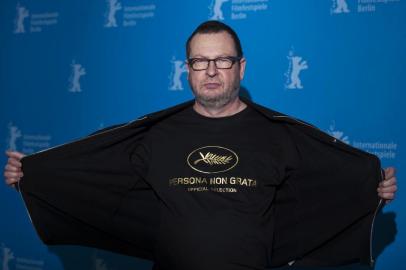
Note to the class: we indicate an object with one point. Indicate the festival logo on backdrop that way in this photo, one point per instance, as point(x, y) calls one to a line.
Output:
point(98, 262)
point(175, 77)
point(7, 257)
point(295, 67)
point(113, 7)
point(30, 143)
point(339, 6)
point(119, 14)
point(339, 135)
point(13, 134)
point(215, 9)
point(235, 9)
point(22, 13)
point(77, 72)
point(36, 21)
point(359, 6)
point(382, 149)
point(10, 261)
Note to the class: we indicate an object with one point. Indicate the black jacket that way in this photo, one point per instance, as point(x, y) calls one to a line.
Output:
point(87, 193)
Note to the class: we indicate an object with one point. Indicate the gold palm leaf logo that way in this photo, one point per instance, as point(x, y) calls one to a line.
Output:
point(213, 159)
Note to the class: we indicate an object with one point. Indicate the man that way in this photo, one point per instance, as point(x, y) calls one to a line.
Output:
point(217, 183)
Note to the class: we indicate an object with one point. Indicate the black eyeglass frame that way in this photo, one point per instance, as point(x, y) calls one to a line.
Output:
point(233, 59)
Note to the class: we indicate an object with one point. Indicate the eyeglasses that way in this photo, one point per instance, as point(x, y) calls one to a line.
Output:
point(225, 62)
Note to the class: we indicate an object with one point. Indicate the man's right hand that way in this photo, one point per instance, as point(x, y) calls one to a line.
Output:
point(13, 169)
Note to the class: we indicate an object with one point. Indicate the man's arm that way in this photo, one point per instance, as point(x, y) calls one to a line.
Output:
point(13, 169)
point(13, 173)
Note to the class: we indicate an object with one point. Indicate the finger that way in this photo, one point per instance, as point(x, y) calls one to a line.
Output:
point(383, 188)
point(389, 172)
point(14, 162)
point(15, 154)
point(388, 182)
point(391, 189)
point(8, 174)
point(387, 196)
point(11, 181)
point(11, 168)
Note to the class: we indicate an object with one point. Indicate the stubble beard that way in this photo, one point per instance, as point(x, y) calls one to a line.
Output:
point(218, 101)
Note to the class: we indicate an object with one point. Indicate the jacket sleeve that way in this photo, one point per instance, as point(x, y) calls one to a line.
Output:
point(326, 207)
point(90, 193)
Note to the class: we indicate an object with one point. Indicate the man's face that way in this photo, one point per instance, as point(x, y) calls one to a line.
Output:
point(215, 87)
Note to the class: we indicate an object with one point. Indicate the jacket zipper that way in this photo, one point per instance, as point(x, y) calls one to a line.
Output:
point(25, 204)
point(381, 201)
point(294, 119)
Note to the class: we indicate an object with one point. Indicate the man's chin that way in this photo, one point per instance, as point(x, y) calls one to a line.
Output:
point(213, 101)
point(214, 98)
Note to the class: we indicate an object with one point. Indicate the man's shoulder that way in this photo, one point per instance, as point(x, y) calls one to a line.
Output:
point(275, 115)
point(161, 114)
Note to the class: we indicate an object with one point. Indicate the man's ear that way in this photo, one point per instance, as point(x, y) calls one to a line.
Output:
point(187, 69)
point(243, 62)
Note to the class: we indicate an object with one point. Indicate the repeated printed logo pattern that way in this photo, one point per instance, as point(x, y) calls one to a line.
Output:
point(236, 9)
point(13, 134)
point(175, 76)
point(296, 65)
point(11, 261)
point(22, 14)
point(339, 6)
point(113, 7)
point(358, 6)
point(8, 255)
point(382, 149)
point(36, 26)
point(27, 143)
point(125, 14)
point(26, 21)
point(339, 135)
point(77, 71)
point(215, 9)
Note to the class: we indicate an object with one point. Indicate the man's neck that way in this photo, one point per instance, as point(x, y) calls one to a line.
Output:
point(229, 109)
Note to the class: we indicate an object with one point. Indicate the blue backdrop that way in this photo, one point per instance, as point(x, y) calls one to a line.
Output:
point(71, 67)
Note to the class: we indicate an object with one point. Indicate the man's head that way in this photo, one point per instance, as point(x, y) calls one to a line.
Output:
point(218, 83)
point(212, 27)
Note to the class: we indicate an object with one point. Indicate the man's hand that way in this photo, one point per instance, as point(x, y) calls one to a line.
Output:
point(388, 187)
point(13, 169)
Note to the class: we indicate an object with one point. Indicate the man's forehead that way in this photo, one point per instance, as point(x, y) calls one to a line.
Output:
point(212, 44)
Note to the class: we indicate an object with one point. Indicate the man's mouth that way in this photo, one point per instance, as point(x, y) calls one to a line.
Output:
point(212, 85)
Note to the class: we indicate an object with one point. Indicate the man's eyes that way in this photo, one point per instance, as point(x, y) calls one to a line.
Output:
point(216, 59)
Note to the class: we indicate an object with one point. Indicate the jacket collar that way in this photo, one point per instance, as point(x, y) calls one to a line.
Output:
point(152, 118)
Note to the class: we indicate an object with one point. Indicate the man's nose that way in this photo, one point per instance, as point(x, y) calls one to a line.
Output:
point(211, 69)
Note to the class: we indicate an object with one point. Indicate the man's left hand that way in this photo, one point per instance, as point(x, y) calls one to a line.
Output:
point(388, 187)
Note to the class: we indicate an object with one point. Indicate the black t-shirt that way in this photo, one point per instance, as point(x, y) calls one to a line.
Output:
point(216, 178)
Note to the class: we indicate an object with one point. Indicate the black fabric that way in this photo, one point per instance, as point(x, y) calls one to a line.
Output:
point(232, 208)
point(324, 208)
